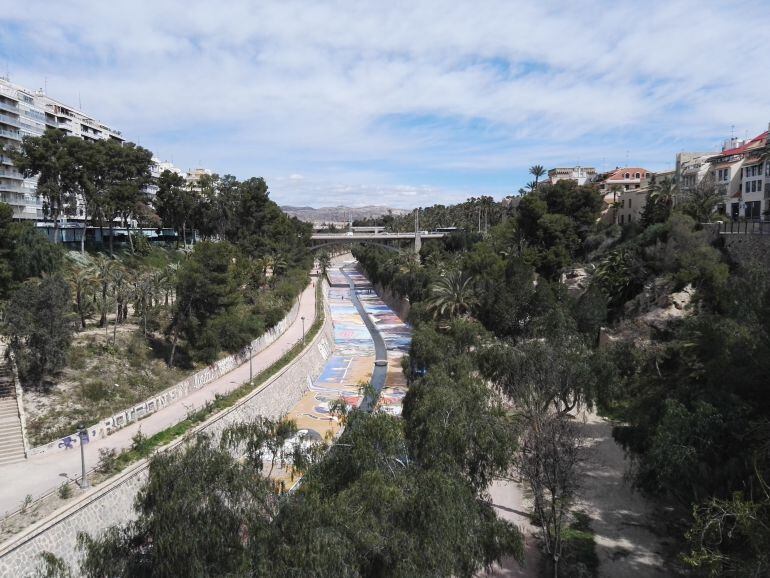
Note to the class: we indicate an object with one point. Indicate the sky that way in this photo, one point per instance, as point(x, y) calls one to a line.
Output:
point(401, 103)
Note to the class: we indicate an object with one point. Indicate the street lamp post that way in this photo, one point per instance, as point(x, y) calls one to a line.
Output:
point(303, 329)
point(83, 435)
point(251, 354)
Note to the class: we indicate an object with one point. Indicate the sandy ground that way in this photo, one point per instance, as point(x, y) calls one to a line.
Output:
point(621, 517)
point(623, 520)
point(510, 504)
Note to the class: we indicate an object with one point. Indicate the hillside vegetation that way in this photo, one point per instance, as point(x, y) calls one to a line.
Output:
point(93, 334)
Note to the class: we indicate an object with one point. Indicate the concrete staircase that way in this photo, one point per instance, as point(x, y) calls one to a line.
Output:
point(11, 439)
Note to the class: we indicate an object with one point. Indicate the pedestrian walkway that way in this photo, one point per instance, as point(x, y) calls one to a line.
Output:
point(42, 474)
point(12, 448)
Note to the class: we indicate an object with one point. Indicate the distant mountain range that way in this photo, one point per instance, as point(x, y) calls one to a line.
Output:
point(339, 214)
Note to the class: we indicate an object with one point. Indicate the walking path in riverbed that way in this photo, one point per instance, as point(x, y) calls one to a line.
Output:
point(40, 474)
point(622, 519)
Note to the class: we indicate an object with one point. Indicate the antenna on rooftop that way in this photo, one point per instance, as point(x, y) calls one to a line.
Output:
point(80, 104)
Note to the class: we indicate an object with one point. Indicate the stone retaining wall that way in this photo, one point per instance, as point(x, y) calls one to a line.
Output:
point(112, 502)
point(748, 249)
point(173, 394)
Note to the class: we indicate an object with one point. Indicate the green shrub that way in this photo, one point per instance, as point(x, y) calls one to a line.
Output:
point(140, 443)
point(108, 461)
point(95, 390)
point(579, 556)
point(78, 357)
point(65, 491)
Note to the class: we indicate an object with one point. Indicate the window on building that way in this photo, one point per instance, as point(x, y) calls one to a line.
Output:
point(629, 203)
point(622, 219)
point(638, 175)
point(627, 176)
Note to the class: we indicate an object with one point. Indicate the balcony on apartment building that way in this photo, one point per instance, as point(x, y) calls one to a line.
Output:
point(14, 199)
point(10, 174)
point(15, 135)
point(9, 120)
point(10, 107)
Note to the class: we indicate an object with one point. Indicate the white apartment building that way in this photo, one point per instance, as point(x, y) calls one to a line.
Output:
point(156, 169)
point(737, 172)
point(581, 175)
point(28, 113)
point(691, 168)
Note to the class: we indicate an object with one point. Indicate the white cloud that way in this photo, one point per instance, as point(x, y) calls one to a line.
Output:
point(368, 97)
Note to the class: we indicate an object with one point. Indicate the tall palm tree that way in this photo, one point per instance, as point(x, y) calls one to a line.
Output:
point(82, 281)
point(536, 171)
point(453, 295)
point(103, 268)
point(145, 288)
point(123, 288)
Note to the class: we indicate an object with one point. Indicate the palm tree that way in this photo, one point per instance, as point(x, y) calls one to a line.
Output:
point(103, 268)
point(664, 192)
point(279, 265)
point(531, 186)
point(82, 280)
point(121, 284)
point(453, 295)
point(701, 201)
point(537, 171)
point(145, 288)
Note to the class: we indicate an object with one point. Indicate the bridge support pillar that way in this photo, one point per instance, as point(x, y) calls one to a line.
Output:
point(417, 244)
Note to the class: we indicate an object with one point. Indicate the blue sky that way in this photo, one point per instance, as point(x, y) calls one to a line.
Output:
point(401, 103)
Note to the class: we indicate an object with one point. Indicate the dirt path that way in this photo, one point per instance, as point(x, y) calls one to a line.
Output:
point(621, 517)
point(510, 504)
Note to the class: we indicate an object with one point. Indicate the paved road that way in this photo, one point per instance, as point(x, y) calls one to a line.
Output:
point(39, 475)
point(380, 372)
